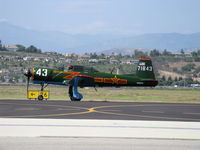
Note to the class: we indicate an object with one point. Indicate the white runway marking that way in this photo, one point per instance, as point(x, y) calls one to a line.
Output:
point(12, 127)
point(192, 113)
point(152, 111)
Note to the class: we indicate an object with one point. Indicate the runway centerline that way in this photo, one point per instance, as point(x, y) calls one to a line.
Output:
point(99, 110)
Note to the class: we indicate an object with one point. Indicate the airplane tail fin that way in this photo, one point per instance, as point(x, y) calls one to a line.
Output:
point(145, 68)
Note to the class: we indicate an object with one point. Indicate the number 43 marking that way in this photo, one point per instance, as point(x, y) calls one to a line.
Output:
point(42, 72)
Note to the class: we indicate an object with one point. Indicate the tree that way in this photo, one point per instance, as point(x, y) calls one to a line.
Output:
point(2, 79)
point(198, 52)
point(119, 55)
point(138, 53)
point(175, 69)
point(166, 53)
point(21, 48)
point(188, 80)
point(197, 70)
point(33, 49)
point(194, 54)
point(0, 44)
point(3, 48)
point(102, 55)
point(163, 78)
point(188, 67)
point(197, 59)
point(93, 56)
point(182, 51)
point(180, 78)
point(169, 78)
point(154, 53)
point(169, 81)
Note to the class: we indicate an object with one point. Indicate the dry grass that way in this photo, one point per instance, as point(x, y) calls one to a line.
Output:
point(110, 94)
point(179, 65)
point(170, 74)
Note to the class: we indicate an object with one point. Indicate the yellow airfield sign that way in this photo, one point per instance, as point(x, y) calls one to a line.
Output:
point(35, 94)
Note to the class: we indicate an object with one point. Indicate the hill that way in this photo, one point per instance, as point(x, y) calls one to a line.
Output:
point(81, 43)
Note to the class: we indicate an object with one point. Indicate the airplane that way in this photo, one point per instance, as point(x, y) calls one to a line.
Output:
point(82, 76)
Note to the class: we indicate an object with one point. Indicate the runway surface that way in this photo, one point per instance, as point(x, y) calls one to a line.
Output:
point(43, 143)
point(99, 110)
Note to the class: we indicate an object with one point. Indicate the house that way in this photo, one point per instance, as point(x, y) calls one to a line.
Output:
point(13, 48)
point(182, 55)
point(93, 60)
point(196, 79)
point(103, 61)
point(51, 53)
point(129, 61)
point(69, 60)
point(82, 60)
point(28, 58)
point(85, 56)
point(70, 55)
point(114, 61)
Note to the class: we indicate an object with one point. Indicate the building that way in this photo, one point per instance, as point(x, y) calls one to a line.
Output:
point(182, 55)
point(93, 60)
point(51, 53)
point(114, 61)
point(13, 48)
point(129, 61)
point(84, 56)
point(70, 55)
point(196, 79)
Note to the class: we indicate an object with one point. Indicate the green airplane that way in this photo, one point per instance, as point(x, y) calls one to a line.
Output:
point(81, 76)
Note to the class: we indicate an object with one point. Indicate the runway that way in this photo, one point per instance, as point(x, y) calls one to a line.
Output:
point(99, 110)
point(44, 143)
point(113, 125)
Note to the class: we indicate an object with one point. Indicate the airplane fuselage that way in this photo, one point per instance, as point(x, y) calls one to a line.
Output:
point(53, 76)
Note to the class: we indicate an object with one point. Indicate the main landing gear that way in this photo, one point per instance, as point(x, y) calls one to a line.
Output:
point(74, 95)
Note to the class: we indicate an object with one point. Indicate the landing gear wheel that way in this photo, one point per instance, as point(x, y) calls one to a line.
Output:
point(71, 94)
point(40, 97)
point(74, 99)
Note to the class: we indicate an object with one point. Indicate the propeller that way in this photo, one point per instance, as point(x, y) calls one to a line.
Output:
point(28, 74)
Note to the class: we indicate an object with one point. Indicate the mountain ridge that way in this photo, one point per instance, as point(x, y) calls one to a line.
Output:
point(81, 43)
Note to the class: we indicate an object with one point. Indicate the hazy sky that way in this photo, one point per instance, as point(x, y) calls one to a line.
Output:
point(104, 16)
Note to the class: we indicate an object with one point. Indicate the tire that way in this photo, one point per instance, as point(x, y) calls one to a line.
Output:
point(40, 97)
point(74, 99)
point(71, 95)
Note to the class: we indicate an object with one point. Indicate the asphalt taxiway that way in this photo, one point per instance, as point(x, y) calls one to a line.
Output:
point(28, 124)
point(99, 110)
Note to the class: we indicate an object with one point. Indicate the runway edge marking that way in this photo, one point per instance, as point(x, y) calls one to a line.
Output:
point(98, 128)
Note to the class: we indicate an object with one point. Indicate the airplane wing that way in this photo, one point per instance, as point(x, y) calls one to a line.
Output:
point(82, 81)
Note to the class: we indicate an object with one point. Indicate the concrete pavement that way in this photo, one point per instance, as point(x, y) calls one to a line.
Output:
point(12, 127)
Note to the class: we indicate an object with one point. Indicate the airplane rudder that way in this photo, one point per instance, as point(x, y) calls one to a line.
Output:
point(145, 68)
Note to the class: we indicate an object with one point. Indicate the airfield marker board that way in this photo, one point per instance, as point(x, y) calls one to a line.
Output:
point(35, 94)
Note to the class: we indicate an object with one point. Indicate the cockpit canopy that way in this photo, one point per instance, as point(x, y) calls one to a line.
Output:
point(77, 68)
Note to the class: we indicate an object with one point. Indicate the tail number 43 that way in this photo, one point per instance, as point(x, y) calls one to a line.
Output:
point(42, 72)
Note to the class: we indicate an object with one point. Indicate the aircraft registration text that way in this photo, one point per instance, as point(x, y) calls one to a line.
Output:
point(145, 68)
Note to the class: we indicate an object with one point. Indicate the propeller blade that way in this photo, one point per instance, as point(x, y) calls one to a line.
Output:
point(28, 79)
point(28, 74)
